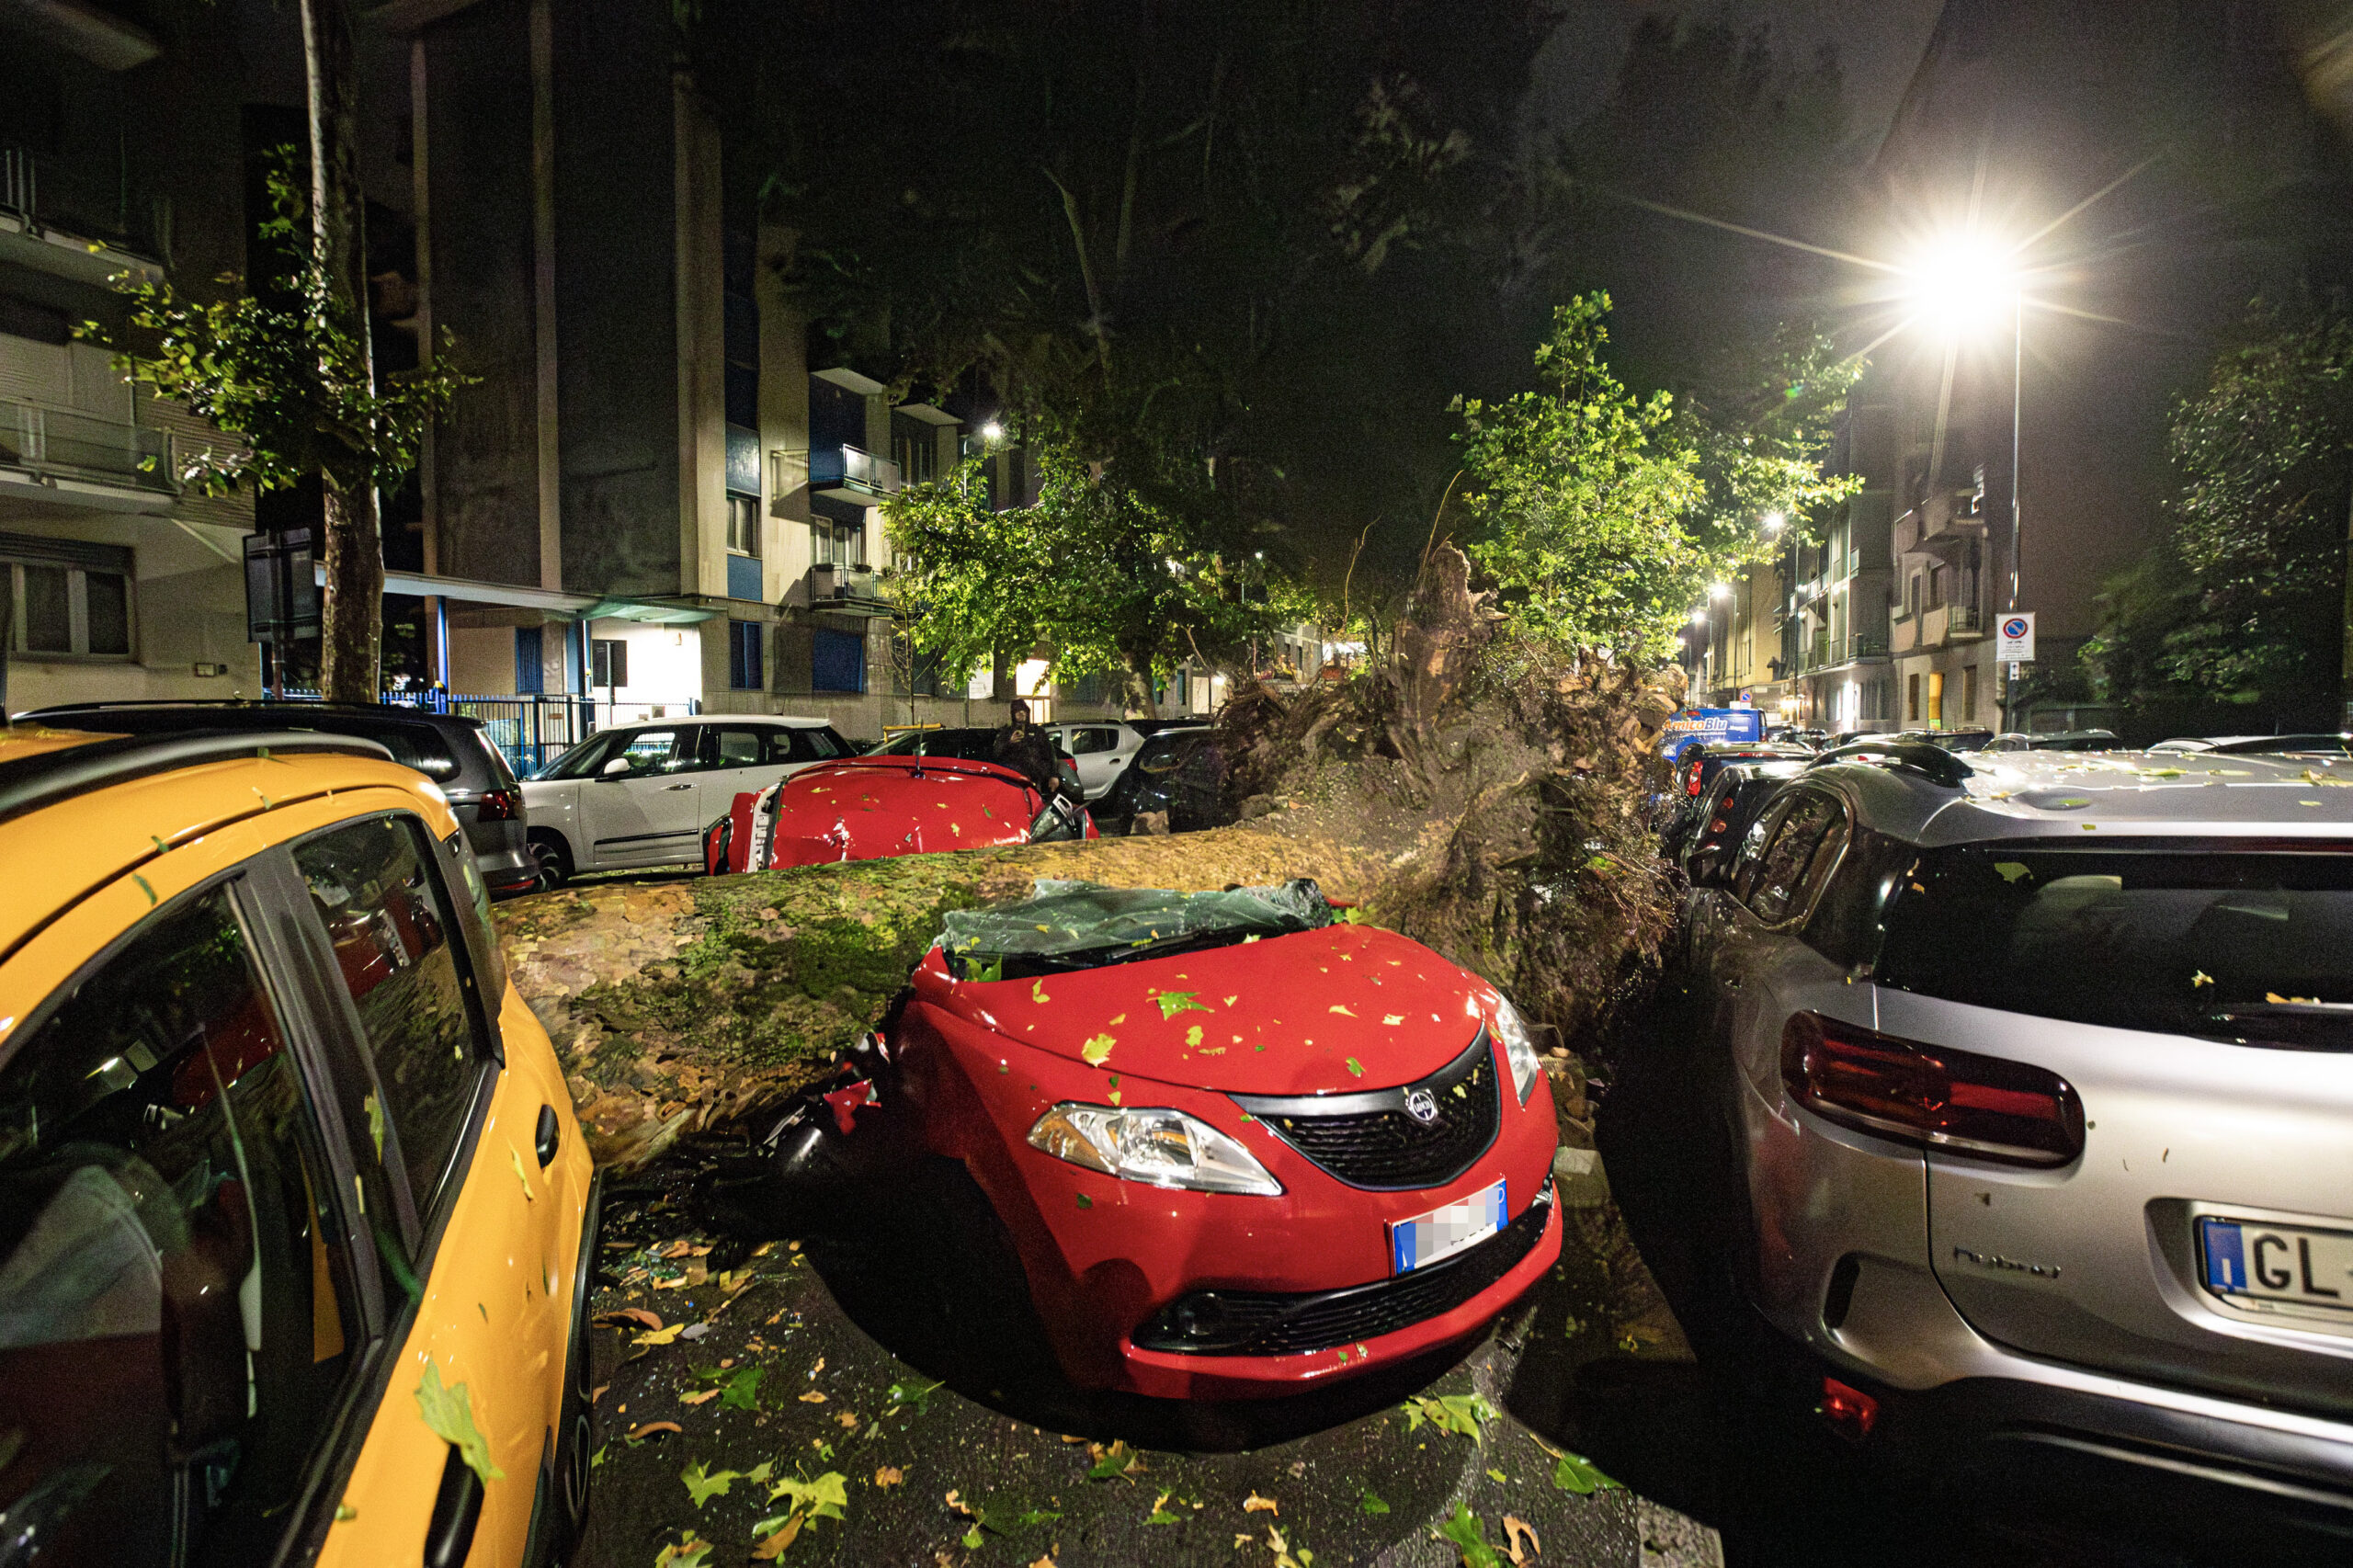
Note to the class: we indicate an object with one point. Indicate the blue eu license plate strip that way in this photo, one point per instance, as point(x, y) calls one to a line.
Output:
point(1441, 1233)
point(2224, 1246)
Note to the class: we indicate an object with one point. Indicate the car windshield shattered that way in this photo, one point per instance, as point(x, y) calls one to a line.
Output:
point(1070, 924)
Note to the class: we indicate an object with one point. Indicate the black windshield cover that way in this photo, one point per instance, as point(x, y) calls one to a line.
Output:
point(2249, 945)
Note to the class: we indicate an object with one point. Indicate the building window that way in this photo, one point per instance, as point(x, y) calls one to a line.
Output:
point(743, 663)
point(837, 544)
point(837, 661)
point(608, 662)
point(1911, 695)
point(531, 671)
point(743, 525)
point(69, 610)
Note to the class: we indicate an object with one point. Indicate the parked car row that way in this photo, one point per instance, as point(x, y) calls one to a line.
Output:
point(2029, 1081)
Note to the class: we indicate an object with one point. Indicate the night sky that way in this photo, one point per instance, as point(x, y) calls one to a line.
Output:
point(1878, 42)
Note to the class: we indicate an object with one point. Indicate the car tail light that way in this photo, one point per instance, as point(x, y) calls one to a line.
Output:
point(1851, 1412)
point(496, 805)
point(1926, 1094)
point(1691, 786)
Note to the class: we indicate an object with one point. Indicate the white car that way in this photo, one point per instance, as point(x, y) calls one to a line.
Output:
point(1101, 747)
point(642, 794)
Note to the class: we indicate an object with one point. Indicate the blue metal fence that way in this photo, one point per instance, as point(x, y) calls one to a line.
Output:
point(529, 731)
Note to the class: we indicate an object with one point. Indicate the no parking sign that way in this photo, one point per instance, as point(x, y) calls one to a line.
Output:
point(2017, 642)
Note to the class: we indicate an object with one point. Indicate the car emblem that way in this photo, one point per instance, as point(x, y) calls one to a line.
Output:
point(1422, 1106)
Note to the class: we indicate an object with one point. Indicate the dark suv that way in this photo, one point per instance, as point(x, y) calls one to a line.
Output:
point(448, 748)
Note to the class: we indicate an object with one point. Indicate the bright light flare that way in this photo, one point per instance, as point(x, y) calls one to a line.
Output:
point(1699, 616)
point(1962, 284)
point(1720, 590)
point(991, 431)
point(1773, 522)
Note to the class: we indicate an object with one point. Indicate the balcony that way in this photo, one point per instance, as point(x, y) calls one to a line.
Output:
point(847, 473)
point(1947, 624)
point(838, 589)
point(80, 457)
point(83, 209)
point(1938, 524)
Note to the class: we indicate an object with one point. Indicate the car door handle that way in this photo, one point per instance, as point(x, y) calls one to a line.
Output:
point(548, 1134)
point(686, 786)
point(456, 1509)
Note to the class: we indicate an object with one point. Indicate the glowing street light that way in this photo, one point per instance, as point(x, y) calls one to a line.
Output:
point(1699, 616)
point(1773, 522)
point(1962, 284)
point(1720, 590)
point(991, 431)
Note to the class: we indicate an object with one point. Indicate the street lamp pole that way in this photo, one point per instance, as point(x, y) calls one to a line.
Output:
point(2017, 427)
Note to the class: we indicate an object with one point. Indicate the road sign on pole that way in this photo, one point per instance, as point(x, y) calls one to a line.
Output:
point(2016, 644)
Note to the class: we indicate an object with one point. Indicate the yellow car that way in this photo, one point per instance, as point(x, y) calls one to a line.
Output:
point(295, 1220)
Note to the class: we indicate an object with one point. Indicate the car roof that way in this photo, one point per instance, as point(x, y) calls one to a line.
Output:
point(241, 714)
point(2073, 795)
point(78, 809)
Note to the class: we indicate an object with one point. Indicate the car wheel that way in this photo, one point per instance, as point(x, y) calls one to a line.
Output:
point(554, 866)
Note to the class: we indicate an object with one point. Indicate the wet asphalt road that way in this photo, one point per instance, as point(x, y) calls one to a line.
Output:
point(898, 1358)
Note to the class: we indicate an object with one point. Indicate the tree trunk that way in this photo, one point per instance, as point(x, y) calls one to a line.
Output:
point(353, 610)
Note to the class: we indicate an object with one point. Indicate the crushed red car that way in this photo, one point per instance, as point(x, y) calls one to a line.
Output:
point(865, 808)
point(1241, 1146)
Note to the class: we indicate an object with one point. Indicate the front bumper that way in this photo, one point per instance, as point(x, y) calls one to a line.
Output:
point(1104, 1255)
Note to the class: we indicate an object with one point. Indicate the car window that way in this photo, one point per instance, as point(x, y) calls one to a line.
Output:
point(1796, 855)
point(390, 926)
point(1085, 742)
point(174, 1278)
point(805, 745)
point(583, 760)
point(725, 746)
point(654, 750)
point(903, 746)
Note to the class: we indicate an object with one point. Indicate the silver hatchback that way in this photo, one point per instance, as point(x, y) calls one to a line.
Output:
point(2037, 1072)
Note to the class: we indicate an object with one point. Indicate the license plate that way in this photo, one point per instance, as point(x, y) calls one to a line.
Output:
point(2249, 1262)
point(1441, 1233)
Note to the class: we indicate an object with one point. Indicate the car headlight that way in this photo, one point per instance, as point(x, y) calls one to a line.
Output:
point(1519, 1049)
point(1145, 1143)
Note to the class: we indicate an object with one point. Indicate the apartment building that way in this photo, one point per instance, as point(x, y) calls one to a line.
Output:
point(115, 580)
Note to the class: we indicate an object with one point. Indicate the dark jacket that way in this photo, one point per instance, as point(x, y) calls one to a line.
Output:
point(1028, 752)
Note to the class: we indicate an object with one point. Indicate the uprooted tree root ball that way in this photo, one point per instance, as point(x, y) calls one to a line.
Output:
point(1469, 793)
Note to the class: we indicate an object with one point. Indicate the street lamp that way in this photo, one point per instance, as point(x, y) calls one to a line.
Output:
point(991, 431)
point(1962, 284)
point(1773, 522)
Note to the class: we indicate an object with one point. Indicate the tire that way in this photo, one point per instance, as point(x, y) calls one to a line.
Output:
point(554, 864)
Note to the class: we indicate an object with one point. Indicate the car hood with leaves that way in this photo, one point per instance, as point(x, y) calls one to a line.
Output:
point(1326, 1011)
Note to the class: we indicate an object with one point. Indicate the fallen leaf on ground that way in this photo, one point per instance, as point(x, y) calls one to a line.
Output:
point(658, 1336)
point(1457, 1412)
point(812, 1397)
point(691, 1552)
point(847, 1418)
point(889, 1476)
point(1372, 1503)
point(640, 1433)
point(1516, 1529)
point(770, 1549)
point(1255, 1504)
point(916, 1394)
point(1116, 1460)
point(703, 1483)
point(1470, 1537)
point(703, 1397)
point(1578, 1474)
point(630, 1315)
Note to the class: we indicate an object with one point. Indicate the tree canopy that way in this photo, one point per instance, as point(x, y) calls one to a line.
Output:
point(1605, 517)
point(2244, 602)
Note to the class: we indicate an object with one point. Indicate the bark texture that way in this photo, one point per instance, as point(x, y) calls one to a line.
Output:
point(352, 612)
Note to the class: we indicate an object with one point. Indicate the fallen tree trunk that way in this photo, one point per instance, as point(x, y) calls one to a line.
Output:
point(675, 1008)
point(1485, 800)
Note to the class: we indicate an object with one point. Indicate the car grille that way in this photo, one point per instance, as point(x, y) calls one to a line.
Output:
point(1372, 1141)
point(1263, 1323)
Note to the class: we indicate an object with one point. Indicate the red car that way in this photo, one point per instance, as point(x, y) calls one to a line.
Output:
point(1241, 1146)
point(865, 808)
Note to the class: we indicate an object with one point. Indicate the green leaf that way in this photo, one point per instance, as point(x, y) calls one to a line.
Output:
point(1459, 1413)
point(1174, 1002)
point(1578, 1474)
point(689, 1552)
point(915, 1394)
point(520, 1174)
point(1470, 1537)
point(1113, 1462)
point(823, 1498)
point(703, 1484)
point(972, 1539)
point(450, 1415)
point(1356, 1068)
point(1098, 1050)
point(375, 1125)
point(743, 1390)
point(1372, 1504)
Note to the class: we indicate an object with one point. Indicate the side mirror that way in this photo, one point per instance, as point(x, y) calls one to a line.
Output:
point(618, 768)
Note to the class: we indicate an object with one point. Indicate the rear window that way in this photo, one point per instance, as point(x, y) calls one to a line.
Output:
point(2250, 943)
point(415, 746)
point(1071, 925)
